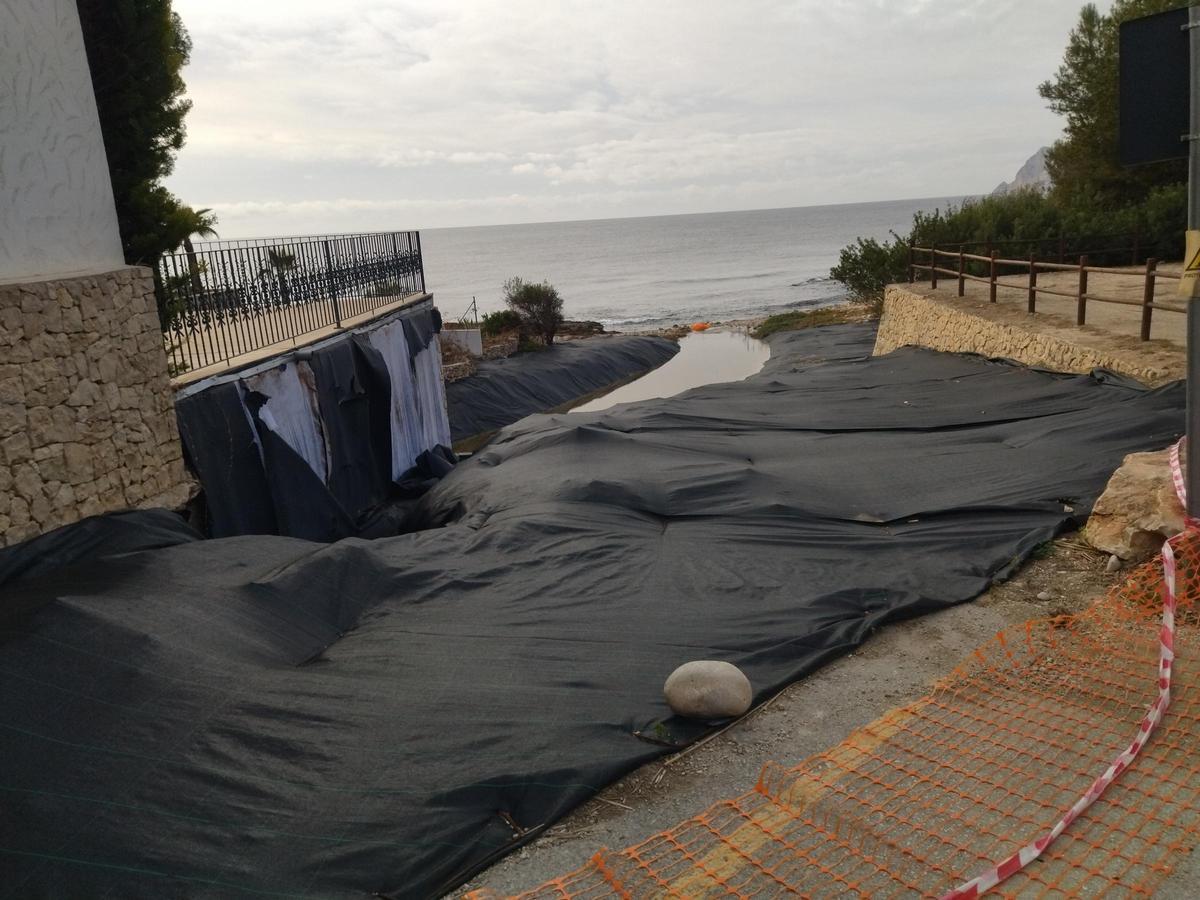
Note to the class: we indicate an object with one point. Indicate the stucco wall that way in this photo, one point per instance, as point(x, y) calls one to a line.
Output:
point(470, 339)
point(87, 420)
point(56, 205)
point(962, 325)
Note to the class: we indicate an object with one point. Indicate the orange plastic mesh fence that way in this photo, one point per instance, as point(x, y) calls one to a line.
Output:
point(933, 792)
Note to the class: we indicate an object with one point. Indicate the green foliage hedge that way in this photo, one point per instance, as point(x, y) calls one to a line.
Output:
point(1035, 221)
point(495, 323)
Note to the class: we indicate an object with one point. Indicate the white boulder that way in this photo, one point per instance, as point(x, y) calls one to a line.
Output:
point(708, 689)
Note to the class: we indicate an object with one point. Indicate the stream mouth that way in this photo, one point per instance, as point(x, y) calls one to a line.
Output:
point(711, 357)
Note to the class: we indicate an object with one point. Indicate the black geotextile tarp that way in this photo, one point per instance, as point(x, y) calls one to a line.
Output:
point(255, 483)
point(503, 391)
point(268, 716)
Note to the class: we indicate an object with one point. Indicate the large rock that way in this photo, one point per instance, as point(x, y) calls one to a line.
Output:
point(1032, 176)
point(708, 689)
point(1138, 510)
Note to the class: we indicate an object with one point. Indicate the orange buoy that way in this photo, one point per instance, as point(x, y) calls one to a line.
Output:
point(699, 326)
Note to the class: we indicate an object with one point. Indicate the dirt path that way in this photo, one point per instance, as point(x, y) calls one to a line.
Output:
point(1124, 318)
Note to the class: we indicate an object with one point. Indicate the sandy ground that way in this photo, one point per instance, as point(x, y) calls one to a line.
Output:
point(897, 665)
point(1125, 317)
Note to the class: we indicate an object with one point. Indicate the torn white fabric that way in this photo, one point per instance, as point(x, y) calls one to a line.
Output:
point(408, 441)
point(435, 422)
point(291, 412)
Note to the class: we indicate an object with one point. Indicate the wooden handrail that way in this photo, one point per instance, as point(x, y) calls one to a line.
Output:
point(1081, 295)
point(1055, 242)
point(1081, 303)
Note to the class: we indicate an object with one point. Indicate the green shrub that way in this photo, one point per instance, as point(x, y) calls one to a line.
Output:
point(866, 267)
point(495, 323)
point(1036, 222)
point(538, 305)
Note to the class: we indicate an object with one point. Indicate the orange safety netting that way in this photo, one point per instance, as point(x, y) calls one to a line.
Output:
point(933, 792)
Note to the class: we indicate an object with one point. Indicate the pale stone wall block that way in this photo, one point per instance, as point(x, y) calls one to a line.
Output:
point(87, 417)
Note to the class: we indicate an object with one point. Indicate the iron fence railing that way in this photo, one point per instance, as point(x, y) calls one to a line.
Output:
point(218, 300)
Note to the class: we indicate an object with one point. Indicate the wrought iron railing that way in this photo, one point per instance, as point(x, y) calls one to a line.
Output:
point(219, 300)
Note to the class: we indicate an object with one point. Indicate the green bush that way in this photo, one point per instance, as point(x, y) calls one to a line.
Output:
point(1036, 222)
point(495, 323)
point(538, 305)
point(866, 267)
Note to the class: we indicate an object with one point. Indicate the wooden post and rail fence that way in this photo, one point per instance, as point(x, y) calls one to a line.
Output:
point(957, 264)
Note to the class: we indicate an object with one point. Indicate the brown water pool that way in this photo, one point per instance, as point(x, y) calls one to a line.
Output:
point(709, 357)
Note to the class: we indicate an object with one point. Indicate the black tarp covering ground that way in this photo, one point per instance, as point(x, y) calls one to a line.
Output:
point(506, 390)
point(264, 716)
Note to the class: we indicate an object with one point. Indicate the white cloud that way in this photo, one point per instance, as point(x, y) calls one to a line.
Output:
point(440, 108)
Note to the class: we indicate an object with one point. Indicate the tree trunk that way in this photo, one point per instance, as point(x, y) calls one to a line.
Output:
point(193, 265)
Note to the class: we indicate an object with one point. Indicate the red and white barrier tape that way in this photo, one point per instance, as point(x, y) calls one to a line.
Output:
point(1166, 655)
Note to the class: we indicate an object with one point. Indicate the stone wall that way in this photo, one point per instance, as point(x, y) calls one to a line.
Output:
point(457, 362)
point(501, 347)
point(963, 325)
point(452, 372)
point(87, 421)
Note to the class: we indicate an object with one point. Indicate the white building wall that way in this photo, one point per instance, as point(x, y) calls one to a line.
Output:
point(56, 205)
point(470, 339)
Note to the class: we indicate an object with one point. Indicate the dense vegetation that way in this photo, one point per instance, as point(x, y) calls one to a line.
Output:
point(136, 51)
point(1093, 198)
point(496, 323)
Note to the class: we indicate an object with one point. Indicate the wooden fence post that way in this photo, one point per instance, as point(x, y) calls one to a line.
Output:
point(933, 266)
point(992, 277)
point(910, 262)
point(1148, 297)
point(1032, 281)
point(1081, 310)
point(962, 282)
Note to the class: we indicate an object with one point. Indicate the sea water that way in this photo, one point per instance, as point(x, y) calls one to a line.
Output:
point(642, 273)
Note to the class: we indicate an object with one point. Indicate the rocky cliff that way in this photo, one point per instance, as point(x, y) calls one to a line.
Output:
point(1032, 175)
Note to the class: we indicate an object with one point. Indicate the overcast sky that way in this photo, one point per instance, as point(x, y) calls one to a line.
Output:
point(348, 115)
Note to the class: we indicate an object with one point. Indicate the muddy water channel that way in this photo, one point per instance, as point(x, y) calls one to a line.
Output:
point(706, 358)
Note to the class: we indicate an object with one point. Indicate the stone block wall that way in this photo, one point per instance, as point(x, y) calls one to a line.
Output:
point(452, 372)
point(87, 419)
point(963, 325)
point(501, 347)
point(457, 362)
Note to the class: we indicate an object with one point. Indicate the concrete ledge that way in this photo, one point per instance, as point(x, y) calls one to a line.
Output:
point(912, 317)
